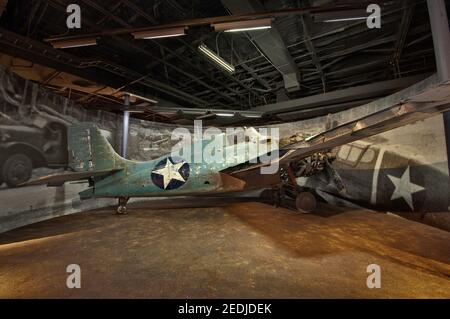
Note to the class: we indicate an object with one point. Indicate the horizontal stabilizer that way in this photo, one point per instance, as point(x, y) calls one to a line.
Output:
point(60, 179)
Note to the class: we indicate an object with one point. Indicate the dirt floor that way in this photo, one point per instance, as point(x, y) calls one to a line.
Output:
point(244, 250)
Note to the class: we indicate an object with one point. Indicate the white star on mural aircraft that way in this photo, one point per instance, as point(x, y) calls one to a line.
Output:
point(404, 188)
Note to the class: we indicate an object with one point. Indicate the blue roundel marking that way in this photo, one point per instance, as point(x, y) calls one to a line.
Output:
point(170, 173)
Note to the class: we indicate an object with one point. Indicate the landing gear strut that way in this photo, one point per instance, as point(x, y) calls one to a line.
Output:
point(122, 206)
point(304, 199)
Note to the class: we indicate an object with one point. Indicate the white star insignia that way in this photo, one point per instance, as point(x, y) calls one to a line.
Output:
point(170, 171)
point(404, 188)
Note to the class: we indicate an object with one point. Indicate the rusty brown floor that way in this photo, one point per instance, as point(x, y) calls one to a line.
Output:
point(245, 250)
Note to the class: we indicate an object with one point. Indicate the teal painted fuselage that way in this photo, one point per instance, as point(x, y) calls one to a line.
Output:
point(168, 175)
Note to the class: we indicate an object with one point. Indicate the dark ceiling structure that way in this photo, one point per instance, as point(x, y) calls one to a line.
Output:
point(306, 65)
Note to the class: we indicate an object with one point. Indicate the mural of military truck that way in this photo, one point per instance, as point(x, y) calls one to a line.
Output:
point(25, 147)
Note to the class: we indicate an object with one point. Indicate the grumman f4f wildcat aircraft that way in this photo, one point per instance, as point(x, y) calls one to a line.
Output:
point(92, 158)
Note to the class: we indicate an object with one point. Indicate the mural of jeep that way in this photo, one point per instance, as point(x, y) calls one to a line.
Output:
point(23, 147)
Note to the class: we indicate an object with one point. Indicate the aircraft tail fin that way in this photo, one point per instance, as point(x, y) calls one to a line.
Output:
point(89, 150)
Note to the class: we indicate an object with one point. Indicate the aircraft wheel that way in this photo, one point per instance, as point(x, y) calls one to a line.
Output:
point(121, 209)
point(305, 202)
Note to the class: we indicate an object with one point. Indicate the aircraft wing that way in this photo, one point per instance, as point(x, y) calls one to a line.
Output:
point(60, 179)
point(418, 102)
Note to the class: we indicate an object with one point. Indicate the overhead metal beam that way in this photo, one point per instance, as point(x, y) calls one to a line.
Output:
point(213, 20)
point(321, 111)
point(308, 107)
point(137, 47)
point(402, 33)
point(57, 4)
point(202, 112)
point(179, 51)
point(270, 43)
point(306, 23)
point(175, 53)
point(99, 71)
point(441, 37)
point(373, 90)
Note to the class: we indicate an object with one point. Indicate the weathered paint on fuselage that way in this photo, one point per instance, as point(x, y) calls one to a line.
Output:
point(204, 177)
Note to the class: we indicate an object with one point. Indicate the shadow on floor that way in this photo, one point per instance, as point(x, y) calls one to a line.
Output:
point(90, 220)
point(337, 229)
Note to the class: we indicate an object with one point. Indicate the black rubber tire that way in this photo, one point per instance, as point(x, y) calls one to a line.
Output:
point(17, 169)
point(305, 202)
point(121, 210)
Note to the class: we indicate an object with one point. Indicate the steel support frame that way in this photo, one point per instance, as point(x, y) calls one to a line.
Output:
point(441, 37)
point(126, 124)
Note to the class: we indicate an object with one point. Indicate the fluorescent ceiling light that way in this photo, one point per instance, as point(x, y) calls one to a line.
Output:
point(242, 26)
point(216, 59)
point(225, 114)
point(206, 116)
point(159, 33)
point(142, 98)
point(346, 19)
point(338, 16)
point(73, 43)
point(248, 29)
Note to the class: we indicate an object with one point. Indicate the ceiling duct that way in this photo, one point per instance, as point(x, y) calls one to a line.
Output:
point(270, 43)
